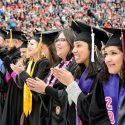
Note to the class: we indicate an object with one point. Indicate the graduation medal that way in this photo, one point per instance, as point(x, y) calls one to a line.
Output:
point(58, 110)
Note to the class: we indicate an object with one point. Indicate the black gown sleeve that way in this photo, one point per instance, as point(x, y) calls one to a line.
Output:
point(121, 113)
point(59, 95)
point(51, 92)
point(83, 105)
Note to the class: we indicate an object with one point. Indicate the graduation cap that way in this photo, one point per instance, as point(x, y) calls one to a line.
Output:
point(3, 33)
point(117, 38)
point(91, 35)
point(16, 35)
point(84, 33)
point(48, 37)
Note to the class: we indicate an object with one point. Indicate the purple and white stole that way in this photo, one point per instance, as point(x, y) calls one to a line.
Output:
point(51, 80)
point(113, 96)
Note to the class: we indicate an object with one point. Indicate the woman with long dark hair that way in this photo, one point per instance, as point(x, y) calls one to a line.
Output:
point(59, 111)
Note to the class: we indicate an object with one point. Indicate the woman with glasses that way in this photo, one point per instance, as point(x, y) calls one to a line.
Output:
point(59, 111)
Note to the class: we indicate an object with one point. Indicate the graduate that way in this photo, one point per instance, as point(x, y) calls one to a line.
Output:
point(12, 111)
point(59, 110)
point(13, 42)
point(115, 61)
point(37, 67)
point(112, 78)
point(89, 68)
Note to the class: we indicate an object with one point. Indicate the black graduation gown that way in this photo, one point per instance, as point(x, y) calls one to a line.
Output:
point(92, 108)
point(12, 57)
point(121, 110)
point(1, 94)
point(14, 100)
point(121, 113)
point(59, 110)
point(41, 70)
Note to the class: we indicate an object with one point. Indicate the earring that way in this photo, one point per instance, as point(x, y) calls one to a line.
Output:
point(43, 54)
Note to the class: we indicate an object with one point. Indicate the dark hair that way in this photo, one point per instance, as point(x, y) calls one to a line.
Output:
point(104, 74)
point(94, 67)
point(53, 58)
point(70, 37)
point(79, 70)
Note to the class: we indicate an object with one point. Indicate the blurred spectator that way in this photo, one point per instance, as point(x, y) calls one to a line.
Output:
point(40, 15)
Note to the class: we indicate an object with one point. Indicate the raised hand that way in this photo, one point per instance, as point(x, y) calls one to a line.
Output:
point(17, 68)
point(36, 85)
point(63, 75)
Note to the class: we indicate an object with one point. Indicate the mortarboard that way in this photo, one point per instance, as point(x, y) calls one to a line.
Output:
point(84, 31)
point(117, 38)
point(17, 35)
point(48, 37)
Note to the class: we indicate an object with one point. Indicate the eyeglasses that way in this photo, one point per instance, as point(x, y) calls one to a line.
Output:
point(60, 40)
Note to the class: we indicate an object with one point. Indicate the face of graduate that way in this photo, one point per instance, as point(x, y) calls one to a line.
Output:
point(81, 52)
point(62, 47)
point(15, 43)
point(32, 48)
point(7, 44)
point(23, 52)
point(113, 59)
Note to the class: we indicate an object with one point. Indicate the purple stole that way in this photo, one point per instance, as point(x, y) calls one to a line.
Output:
point(113, 96)
point(85, 83)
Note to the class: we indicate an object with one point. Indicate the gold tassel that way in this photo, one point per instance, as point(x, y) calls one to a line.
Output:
point(27, 97)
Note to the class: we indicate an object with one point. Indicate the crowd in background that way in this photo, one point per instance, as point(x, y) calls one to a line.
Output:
point(64, 77)
point(42, 15)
